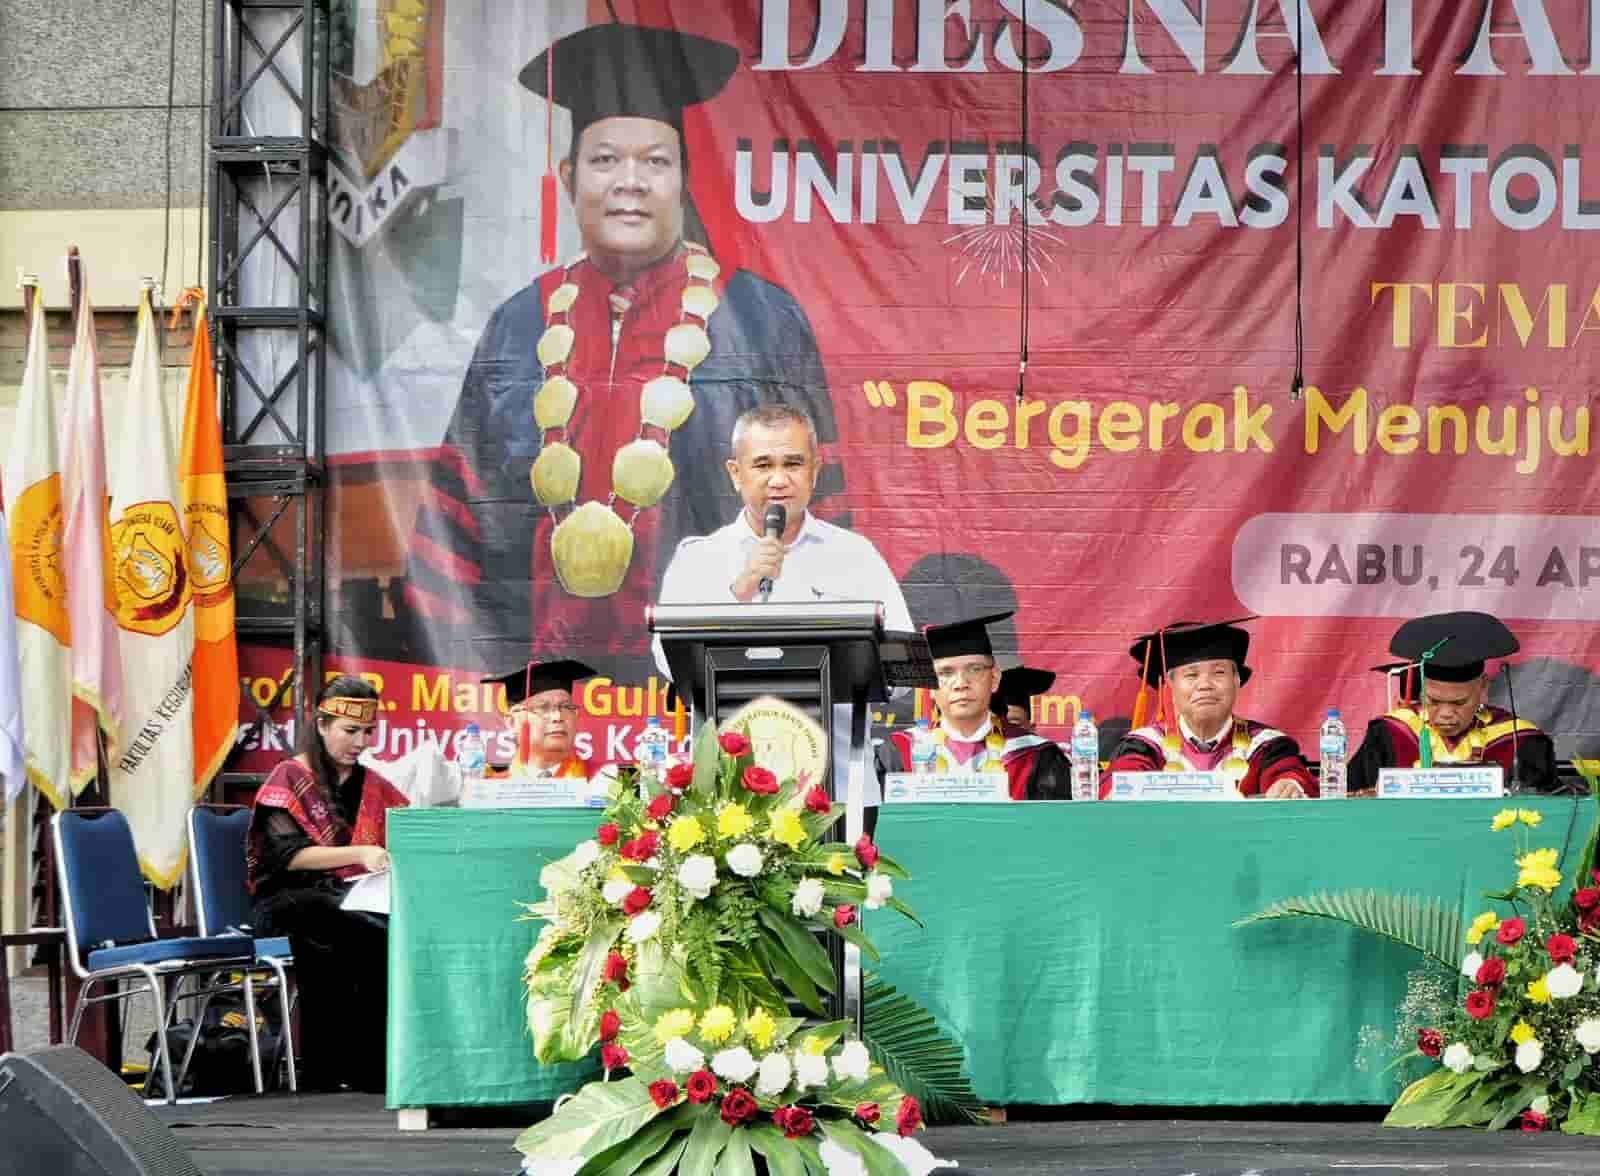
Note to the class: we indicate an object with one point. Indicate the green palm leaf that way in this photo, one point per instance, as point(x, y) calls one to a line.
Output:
point(1423, 924)
point(907, 1042)
point(598, 1117)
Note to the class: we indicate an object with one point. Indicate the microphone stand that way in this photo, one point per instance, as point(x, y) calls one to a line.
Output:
point(1513, 785)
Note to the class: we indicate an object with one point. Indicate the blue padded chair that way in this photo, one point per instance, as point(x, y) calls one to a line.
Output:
point(222, 907)
point(110, 933)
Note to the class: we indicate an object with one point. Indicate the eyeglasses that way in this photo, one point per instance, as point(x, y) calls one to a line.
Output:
point(968, 673)
point(550, 710)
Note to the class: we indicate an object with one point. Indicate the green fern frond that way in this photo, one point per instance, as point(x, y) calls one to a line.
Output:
point(1423, 924)
point(904, 1039)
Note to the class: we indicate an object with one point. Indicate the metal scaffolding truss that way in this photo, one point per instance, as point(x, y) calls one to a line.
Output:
point(269, 278)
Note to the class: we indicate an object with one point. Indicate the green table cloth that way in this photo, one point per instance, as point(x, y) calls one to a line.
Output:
point(1080, 953)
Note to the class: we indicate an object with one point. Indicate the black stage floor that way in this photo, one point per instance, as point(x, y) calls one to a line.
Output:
point(352, 1135)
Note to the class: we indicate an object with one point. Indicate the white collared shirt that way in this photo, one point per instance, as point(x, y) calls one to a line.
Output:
point(823, 563)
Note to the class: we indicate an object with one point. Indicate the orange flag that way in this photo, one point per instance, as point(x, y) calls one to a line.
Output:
point(203, 501)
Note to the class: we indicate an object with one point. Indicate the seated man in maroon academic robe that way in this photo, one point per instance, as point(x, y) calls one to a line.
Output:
point(1462, 727)
point(967, 738)
point(1204, 667)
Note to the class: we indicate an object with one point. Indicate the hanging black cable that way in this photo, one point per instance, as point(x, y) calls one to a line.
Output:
point(1026, 207)
point(172, 81)
point(200, 159)
point(1297, 385)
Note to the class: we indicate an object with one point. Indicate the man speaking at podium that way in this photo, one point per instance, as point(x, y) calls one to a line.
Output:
point(776, 550)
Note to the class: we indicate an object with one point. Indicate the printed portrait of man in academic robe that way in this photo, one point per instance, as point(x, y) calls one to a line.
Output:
point(576, 456)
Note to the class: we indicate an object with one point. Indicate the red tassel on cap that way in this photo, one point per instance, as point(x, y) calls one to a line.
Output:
point(547, 184)
point(547, 219)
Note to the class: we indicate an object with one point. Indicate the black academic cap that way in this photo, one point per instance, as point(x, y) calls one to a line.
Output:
point(1190, 641)
point(614, 70)
point(1461, 641)
point(1018, 685)
point(537, 677)
point(959, 638)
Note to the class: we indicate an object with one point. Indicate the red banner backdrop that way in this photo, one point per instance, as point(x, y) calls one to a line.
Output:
point(873, 161)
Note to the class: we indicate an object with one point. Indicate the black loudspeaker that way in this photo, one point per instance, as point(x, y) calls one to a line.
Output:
point(65, 1114)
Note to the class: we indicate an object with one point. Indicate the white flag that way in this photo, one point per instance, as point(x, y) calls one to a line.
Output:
point(13, 753)
point(32, 483)
point(153, 771)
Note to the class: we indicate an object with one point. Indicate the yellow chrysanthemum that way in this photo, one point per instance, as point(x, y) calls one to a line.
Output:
point(814, 1046)
point(786, 829)
point(1482, 925)
point(761, 1027)
point(1529, 817)
point(718, 1024)
point(1539, 992)
point(677, 1023)
point(1538, 868)
point(1503, 819)
point(733, 821)
point(836, 864)
point(1521, 1032)
point(685, 834)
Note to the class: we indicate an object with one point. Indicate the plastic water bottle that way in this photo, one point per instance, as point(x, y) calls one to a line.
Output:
point(651, 748)
point(1085, 758)
point(924, 755)
point(471, 759)
point(1335, 747)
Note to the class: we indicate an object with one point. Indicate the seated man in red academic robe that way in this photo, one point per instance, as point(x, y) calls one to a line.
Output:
point(1204, 667)
point(967, 738)
point(543, 719)
point(1460, 724)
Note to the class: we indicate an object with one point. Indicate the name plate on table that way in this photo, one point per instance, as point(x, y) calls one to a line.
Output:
point(946, 788)
point(525, 792)
point(1461, 780)
point(1172, 786)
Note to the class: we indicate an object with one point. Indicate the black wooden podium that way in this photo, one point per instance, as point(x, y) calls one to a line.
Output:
point(816, 657)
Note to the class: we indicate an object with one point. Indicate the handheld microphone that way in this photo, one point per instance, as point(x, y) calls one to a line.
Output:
point(772, 525)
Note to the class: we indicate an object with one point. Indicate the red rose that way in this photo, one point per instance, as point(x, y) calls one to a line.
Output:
point(1480, 1003)
point(1587, 898)
point(616, 970)
point(607, 834)
point(817, 799)
point(1492, 971)
point(760, 780)
point(843, 915)
point(702, 1085)
point(1588, 921)
point(909, 1117)
point(642, 848)
point(664, 1093)
point(610, 1024)
point(795, 1121)
point(680, 776)
point(660, 808)
point(613, 1057)
point(738, 1106)
point(1511, 931)
point(866, 852)
point(868, 1112)
point(638, 898)
point(1430, 1042)
point(1563, 949)
point(733, 743)
point(1533, 1122)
